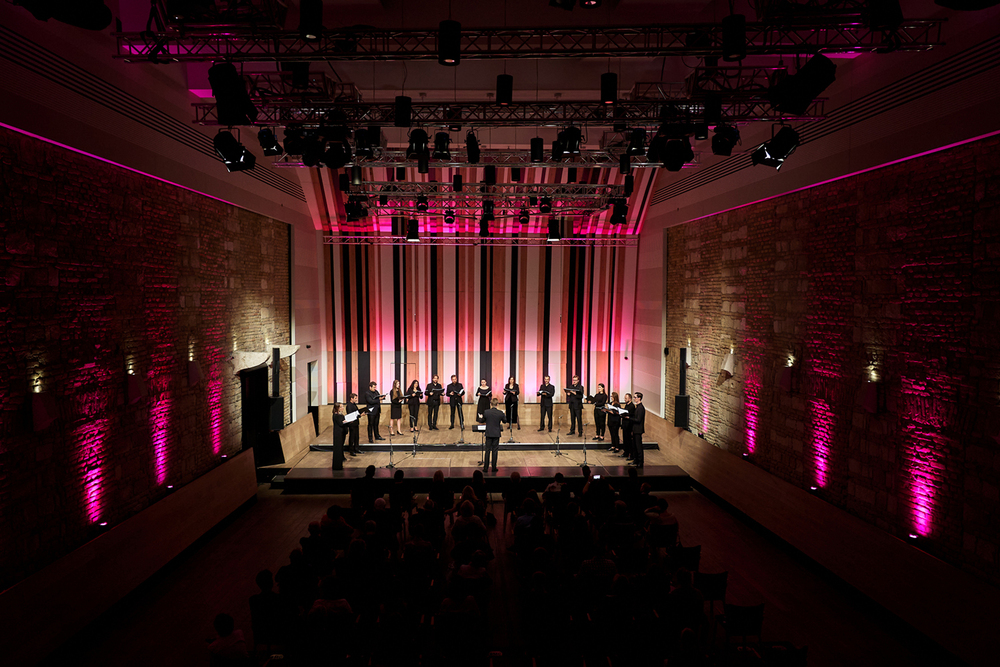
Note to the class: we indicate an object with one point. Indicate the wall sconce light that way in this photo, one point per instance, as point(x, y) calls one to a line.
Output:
point(194, 373)
point(690, 355)
point(728, 365)
point(787, 376)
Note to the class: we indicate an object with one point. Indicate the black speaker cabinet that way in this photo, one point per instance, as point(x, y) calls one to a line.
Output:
point(682, 406)
point(276, 412)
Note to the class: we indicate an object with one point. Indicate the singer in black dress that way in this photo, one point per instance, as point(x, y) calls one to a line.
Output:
point(413, 396)
point(614, 424)
point(484, 393)
point(511, 391)
point(395, 408)
point(600, 416)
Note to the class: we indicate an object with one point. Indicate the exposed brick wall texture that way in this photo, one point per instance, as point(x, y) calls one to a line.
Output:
point(891, 276)
point(106, 270)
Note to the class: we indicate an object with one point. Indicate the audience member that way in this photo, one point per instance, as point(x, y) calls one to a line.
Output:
point(229, 649)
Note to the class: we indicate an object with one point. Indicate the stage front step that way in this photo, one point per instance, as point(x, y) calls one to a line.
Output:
point(403, 445)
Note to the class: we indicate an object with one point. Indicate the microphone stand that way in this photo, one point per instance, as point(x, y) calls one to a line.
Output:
point(583, 426)
point(390, 465)
point(558, 431)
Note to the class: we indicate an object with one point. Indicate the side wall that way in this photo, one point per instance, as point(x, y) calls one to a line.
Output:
point(107, 271)
point(879, 294)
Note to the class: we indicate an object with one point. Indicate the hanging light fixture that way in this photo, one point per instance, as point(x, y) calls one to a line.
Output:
point(537, 149)
point(412, 231)
point(505, 89)
point(472, 148)
point(418, 144)
point(609, 88)
point(449, 43)
point(442, 143)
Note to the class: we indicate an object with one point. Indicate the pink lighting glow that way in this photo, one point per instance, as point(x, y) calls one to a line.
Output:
point(822, 420)
point(159, 417)
point(706, 394)
point(90, 438)
point(215, 409)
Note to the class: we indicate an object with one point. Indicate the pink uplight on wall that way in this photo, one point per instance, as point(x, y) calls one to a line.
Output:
point(822, 420)
point(159, 419)
point(215, 409)
point(89, 439)
point(751, 407)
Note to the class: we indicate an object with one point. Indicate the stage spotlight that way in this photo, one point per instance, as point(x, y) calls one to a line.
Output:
point(773, 153)
point(515, 174)
point(311, 19)
point(232, 152)
point(366, 140)
point(488, 207)
point(629, 185)
point(472, 148)
point(422, 203)
point(609, 88)
point(571, 175)
point(701, 131)
point(490, 174)
point(676, 153)
point(624, 164)
point(400, 173)
point(523, 216)
point(232, 102)
point(619, 212)
point(555, 232)
point(545, 205)
point(795, 93)
point(887, 15)
point(356, 176)
point(557, 150)
point(403, 111)
point(417, 145)
point(268, 142)
point(636, 142)
point(505, 89)
point(337, 155)
point(449, 43)
point(713, 109)
point(86, 14)
point(568, 5)
point(383, 199)
point(590, 4)
point(571, 139)
point(533, 201)
point(484, 226)
point(442, 143)
point(449, 217)
point(456, 183)
point(412, 231)
point(726, 136)
point(537, 149)
point(734, 38)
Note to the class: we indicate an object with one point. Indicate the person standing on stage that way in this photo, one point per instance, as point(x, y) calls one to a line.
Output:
point(484, 393)
point(374, 402)
point(455, 393)
point(600, 399)
point(353, 428)
point(574, 397)
point(638, 428)
point(614, 423)
point(510, 400)
point(434, 391)
point(396, 408)
point(546, 392)
point(413, 396)
point(494, 419)
point(627, 436)
point(339, 431)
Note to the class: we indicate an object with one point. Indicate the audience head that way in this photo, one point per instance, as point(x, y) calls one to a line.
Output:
point(398, 475)
point(468, 493)
point(314, 528)
point(333, 512)
point(477, 477)
point(515, 477)
point(662, 504)
point(295, 557)
point(586, 472)
point(224, 625)
point(633, 473)
point(682, 578)
point(370, 472)
point(645, 489)
point(265, 581)
point(438, 476)
point(380, 504)
point(559, 477)
point(466, 509)
point(479, 559)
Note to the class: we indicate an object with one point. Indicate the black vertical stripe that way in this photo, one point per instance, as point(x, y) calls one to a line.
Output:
point(397, 298)
point(513, 310)
point(581, 268)
point(570, 319)
point(458, 303)
point(345, 269)
point(365, 344)
point(333, 334)
point(484, 314)
point(546, 307)
point(590, 329)
point(611, 313)
point(434, 311)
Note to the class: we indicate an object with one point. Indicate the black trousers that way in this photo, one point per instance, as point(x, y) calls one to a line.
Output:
point(338, 449)
point(627, 438)
point(354, 437)
point(546, 410)
point(512, 413)
point(613, 430)
point(414, 415)
point(638, 454)
point(600, 418)
point(432, 413)
point(373, 418)
point(457, 407)
point(576, 419)
point(492, 448)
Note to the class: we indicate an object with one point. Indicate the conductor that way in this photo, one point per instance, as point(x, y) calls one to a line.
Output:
point(494, 419)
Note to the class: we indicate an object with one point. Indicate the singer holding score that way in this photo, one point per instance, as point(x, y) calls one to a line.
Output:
point(484, 393)
point(545, 394)
point(574, 400)
point(511, 391)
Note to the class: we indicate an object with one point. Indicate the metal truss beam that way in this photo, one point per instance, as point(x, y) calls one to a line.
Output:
point(840, 34)
point(563, 190)
point(473, 240)
point(642, 113)
point(279, 87)
point(594, 159)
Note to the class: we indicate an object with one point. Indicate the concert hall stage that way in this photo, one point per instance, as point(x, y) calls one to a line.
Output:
point(532, 455)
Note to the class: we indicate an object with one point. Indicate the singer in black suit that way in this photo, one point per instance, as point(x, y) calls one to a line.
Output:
point(434, 391)
point(511, 391)
point(374, 402)
point(455, 392)
point(339, 431)
point(546, 392)
point(574, 400)
point(638, 428)
point(627, 437)
point(494, 419)
point(353, 428)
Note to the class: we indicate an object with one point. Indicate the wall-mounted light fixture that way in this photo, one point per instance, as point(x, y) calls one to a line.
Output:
point(787, 374)
point(729, 364)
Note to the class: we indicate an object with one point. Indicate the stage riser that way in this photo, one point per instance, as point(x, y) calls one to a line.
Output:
point(472, 447)
point(528, 416)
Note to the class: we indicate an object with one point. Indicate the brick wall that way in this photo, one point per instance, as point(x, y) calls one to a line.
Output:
point(105, 271)
point(891, 276)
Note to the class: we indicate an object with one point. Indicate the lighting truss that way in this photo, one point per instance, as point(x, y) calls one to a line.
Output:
point(563, 190)
point(245, 14)
point(726, 81)
point(640, 113)
point(279, 87)
point(596, 159)
point(792, 36)
point(537, 241)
